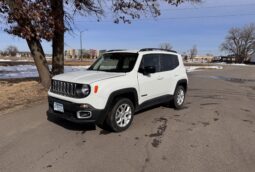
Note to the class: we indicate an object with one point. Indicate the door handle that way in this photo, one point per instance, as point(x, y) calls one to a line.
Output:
point(160, 78)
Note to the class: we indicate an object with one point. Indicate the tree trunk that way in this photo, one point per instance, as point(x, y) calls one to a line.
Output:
point(58, 39)
point(58, 54)
point(37, 53)
point(40, 61)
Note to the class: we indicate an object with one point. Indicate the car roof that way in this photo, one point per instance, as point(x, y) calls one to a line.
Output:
point(122, 51)
point(144, 50)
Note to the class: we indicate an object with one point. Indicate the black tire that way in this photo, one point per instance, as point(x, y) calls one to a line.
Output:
point(179, 90)
point(111, 120)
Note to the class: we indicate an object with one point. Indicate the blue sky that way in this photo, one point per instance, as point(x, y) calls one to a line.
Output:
point(204, 25)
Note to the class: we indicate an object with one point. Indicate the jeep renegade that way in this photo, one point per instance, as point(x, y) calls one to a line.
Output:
point(117, 85)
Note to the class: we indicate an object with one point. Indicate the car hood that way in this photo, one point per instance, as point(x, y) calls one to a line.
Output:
point(87, 76)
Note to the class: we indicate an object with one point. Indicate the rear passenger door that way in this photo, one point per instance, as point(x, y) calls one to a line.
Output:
point(169, 72)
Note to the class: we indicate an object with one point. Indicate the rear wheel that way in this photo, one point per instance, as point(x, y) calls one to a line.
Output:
point(120, 116)
point(179, 97)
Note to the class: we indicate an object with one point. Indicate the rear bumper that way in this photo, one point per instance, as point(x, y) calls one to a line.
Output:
point(71, 109)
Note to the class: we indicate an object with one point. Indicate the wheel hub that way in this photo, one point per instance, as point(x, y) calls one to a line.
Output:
point(123, 115)
point(180, 97)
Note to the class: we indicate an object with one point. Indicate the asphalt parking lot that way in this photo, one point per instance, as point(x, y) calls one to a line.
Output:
point(215, 131)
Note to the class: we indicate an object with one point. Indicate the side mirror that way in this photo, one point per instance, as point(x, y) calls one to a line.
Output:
point(149, 69)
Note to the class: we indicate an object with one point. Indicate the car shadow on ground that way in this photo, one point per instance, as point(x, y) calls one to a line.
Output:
point(70, 125)
point(162, 105)
point(90, 126)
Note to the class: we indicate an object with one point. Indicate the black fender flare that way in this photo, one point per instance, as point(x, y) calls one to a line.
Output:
point(182, 82)
point(113, 95)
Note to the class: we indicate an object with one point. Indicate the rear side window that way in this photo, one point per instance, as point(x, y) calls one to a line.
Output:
point(168, 62)
point(150, 60)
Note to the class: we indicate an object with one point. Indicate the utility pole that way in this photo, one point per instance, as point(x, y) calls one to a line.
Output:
point(81, 53)
point(81, 45)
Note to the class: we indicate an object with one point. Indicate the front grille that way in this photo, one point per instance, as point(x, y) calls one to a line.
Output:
point(64, 88)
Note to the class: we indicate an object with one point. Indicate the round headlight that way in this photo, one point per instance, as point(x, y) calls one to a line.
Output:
point(83, 91)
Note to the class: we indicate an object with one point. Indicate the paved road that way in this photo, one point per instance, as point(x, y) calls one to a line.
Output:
point(214, 132)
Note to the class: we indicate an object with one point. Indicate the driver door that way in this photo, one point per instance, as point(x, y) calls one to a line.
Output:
point(149, 84)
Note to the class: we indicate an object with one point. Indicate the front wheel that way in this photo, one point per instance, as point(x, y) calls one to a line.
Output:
point(179, 97)
point(120, 116)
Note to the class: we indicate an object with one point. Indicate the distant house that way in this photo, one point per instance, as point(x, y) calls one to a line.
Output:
point(203, 59)
point(102, 52)
point(23, 54)
point(71, 53)
point(226, 59)
point(229, 59)
point(93, 53)
point(216, 59)
point(77, 53)
point(48, 56)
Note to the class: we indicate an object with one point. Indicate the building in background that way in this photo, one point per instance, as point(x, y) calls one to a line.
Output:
point(204, 59)
point(71, 54)
point(24, 54)
point(84, 54)
point(93, 54)
point(233, 59)
point(224, 59)
point(101, 52)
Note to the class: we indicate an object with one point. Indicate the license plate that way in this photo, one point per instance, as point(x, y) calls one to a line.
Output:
point(58, 107)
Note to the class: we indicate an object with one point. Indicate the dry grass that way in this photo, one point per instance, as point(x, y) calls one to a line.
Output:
point(17, 95)
point(78, 63)
point(67, 63)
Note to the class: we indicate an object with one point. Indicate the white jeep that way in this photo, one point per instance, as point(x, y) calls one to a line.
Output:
point(117, 85)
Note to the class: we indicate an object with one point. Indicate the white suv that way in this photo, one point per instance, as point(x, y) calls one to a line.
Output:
point(117, 85)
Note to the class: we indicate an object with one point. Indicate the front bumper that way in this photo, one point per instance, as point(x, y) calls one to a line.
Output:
point(71, 109)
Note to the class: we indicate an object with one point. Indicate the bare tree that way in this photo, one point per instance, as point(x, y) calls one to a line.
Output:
point(166, 46)
point(11, 50)
point(184, 56)
point(193, 52)
point(240, 42)
point(37, 20)
point(209, 54)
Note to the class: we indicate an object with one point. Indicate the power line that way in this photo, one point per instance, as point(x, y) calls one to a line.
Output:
point(173, 18)
point(190, 8)
point(206, 7)
point(209, 16)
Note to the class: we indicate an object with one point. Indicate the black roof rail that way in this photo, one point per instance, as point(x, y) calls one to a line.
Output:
point(116, 50)
point(160, 49)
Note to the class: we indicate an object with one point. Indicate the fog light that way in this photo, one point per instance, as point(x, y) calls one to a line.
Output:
point(84, 106)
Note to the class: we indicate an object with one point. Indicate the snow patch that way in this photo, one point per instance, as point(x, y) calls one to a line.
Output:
point(198, 68)
point(22, 60)
point(231, 64)
point(4, 60)
point(27, 71)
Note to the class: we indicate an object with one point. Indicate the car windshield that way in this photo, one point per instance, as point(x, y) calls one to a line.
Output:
point(115, 62)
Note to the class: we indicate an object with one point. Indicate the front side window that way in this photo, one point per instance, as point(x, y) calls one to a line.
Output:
point(115, 62)
point(150, 60)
